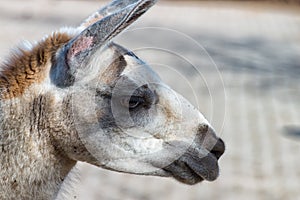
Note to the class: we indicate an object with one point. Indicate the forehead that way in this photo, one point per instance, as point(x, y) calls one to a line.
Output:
point(115, 61)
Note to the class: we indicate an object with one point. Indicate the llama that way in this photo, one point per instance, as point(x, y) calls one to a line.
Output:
point(77, 96)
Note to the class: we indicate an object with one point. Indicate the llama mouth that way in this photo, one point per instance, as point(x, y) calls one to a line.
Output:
point(191, 170)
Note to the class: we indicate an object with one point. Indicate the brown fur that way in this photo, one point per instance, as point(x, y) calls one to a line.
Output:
point(113, 71)
point(29, 67)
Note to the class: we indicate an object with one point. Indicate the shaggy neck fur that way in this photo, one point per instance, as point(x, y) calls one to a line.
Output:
point(32, 166)
point(34, 128)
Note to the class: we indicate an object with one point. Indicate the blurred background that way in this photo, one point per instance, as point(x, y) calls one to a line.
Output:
point(238, 61)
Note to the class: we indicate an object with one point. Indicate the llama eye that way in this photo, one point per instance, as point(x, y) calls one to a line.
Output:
point(135, 102)
point(142, 97)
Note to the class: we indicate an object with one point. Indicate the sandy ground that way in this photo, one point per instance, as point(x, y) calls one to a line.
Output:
point(239, 63)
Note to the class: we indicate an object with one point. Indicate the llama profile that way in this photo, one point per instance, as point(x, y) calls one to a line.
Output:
point(77, 96)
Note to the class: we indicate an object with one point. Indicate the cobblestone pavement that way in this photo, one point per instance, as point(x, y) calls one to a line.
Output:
point(252, 96)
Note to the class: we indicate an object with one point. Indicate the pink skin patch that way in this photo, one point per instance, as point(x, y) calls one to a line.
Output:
point(82, 44)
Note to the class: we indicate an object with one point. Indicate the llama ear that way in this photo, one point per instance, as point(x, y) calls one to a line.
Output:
point(107, 10)
point(75, 54)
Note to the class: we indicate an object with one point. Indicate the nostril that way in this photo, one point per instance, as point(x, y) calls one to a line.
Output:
point(203, 128)
point(218, 149)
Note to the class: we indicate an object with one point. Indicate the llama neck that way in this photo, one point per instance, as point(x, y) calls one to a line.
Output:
point(32, 167)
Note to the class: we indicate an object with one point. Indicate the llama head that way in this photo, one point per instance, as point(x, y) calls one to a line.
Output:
point(124, 117)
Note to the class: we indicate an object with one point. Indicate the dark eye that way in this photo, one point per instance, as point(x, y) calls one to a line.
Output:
point(135, 102)
point(142, 97)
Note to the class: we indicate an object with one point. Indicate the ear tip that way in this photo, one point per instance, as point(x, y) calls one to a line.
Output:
point(150, 2)
point(113, 7)
point(142, 5)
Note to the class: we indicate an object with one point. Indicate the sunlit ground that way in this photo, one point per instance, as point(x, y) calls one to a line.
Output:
point(243, 63)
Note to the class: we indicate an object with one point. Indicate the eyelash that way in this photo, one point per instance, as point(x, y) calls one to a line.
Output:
point(139, 99)
point(135, 102)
